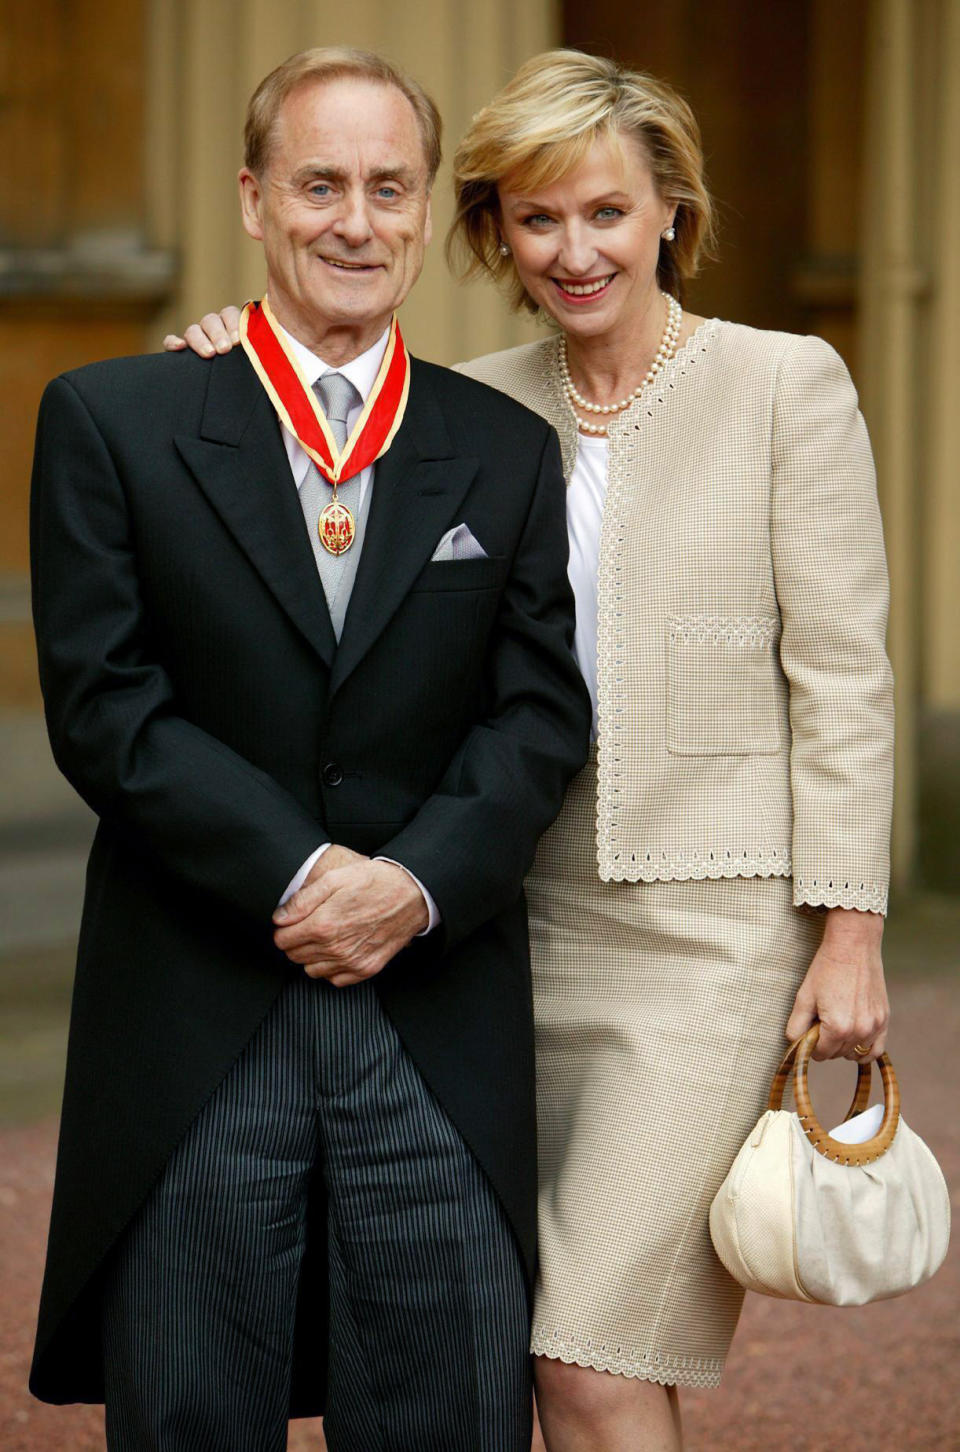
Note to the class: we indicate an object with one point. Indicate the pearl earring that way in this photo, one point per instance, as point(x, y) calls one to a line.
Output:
point(669, 234)
point(504, 250)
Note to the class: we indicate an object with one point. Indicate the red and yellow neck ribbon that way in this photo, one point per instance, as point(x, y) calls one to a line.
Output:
point(299, 408)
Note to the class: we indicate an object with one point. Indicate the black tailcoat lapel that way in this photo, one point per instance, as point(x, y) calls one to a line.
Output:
point(418, 486)
point(241, 465)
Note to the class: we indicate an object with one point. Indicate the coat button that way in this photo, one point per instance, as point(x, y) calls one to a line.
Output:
point(332, 774)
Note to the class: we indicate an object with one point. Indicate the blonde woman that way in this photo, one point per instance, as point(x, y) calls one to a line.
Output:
point(718, 876)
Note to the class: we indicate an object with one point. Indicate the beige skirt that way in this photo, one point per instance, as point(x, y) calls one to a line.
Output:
point(660, 1009)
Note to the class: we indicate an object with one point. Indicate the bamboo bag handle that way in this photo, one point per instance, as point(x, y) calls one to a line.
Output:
point(778, 1088)
point(798, 1056)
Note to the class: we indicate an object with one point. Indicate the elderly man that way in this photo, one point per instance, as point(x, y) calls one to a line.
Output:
point(304, 640)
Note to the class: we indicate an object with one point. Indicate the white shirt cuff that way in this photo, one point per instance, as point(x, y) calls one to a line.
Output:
point(432, 910)
point(297, 881)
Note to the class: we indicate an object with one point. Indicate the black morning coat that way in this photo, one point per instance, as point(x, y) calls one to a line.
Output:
point(197, 700)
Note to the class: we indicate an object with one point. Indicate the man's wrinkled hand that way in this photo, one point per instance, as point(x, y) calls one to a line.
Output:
point(350, 917)
point(335, 856)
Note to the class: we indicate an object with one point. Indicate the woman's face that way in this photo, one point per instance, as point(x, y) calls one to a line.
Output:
point(586, 247)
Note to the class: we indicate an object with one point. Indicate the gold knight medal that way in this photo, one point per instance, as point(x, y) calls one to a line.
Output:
point(336, 527)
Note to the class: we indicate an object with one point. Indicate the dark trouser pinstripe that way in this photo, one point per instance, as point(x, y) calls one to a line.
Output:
point(428, 1313)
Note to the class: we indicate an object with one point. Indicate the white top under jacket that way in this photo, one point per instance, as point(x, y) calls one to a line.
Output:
point(586, 494)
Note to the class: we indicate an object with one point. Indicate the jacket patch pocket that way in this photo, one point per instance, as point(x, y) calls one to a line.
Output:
point(721, 685)
point(487, 573)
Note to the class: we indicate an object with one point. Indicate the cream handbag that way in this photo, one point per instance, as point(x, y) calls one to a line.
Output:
point(811, 1218)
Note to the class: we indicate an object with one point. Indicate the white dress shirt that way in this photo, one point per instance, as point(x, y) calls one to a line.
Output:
point(362, 373)
point(585, 498)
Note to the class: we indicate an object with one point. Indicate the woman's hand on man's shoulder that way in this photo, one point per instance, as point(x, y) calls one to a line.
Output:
point(215, 333)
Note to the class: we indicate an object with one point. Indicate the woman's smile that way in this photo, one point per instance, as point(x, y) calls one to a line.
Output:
point(583, 290)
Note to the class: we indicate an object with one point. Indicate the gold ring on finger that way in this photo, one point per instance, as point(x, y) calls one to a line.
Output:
point(861, 1049)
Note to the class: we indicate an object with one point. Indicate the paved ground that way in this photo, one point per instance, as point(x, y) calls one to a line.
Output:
point(884, 1378)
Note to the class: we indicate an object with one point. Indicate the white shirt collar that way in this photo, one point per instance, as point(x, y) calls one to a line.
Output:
point(362, 372)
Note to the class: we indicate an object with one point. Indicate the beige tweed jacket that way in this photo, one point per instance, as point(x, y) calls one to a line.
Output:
point(745, 696)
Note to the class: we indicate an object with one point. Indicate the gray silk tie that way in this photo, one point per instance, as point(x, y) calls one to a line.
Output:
point(337, 396)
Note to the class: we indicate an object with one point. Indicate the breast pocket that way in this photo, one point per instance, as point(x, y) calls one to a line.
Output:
point(721, 685)
point(485, 574)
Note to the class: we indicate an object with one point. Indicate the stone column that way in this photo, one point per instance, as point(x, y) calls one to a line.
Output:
point(939, 503)
point(892, 286)
point(941, 534)
point(910, 368)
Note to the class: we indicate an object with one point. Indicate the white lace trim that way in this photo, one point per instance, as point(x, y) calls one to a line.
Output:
point(751, 630)
point(865, 897)
point(700, 1371)
point(692, 866)
point(611, 695)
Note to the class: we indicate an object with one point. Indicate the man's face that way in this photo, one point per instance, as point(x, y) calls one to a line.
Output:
point(342, 210)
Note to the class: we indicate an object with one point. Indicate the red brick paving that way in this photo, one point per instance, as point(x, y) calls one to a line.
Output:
point(884, 1378)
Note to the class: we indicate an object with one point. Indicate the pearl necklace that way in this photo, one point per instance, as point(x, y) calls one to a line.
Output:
point(666, 350)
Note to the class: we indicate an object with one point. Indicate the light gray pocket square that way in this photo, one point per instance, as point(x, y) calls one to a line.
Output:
point(459, 543)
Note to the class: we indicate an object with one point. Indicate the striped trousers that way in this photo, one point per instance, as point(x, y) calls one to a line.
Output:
point(428, 1308)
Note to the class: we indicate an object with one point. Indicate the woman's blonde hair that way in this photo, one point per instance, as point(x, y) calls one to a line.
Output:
point(542, 124)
